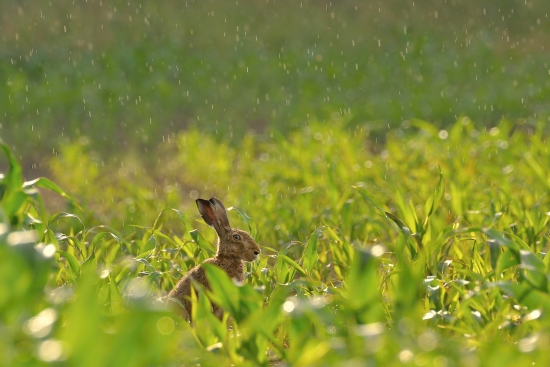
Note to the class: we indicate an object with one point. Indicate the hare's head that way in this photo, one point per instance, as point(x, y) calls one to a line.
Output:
point(232, 242)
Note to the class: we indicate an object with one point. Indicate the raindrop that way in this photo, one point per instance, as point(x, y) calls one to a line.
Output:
point(137, 289)
point(288, 306)
point(429, 315)
point(50, 350)
point(19, 238)
point(377, 250)
point(427, 341)
point(47, 251)
point(528, 344)
point(533, 315)
point(370, 330)
point(440, 361)
point(41, 325)
point(405, 356)
point(165, 325)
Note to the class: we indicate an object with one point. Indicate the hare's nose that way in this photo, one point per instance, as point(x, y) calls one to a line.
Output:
point(256, 253)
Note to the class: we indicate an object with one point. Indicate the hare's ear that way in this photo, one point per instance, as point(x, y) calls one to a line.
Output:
point(213, 214)
point(221, 213)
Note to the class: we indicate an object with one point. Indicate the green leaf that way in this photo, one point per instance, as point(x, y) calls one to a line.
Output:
point(505, 261)
point(54, 218)
point(180, 215)
point(362, 286)
point(501, 238)
point(45, 183)
point(495, 251)
point(282, 271)
point(117, 303)
point(208, 328)
point(399, 223)
point(73, 262)
point(262, 324)
point(406, 233)
point(292, 263)
point(546, 260)
point(90, 264)
point(425, 125)
point(533, 270)
point(102, 235)
point(518, 291)
point(525, 294)
point(407, 210)
point(13, 180)
point(531, 261)
point(434, 201)
point(368, 197)
point(540, 172)
point(310, 256)
point(148, 246)
point(537, 299)
point(249, 221)
point(202, 243)
point(224, 292)
point(13, 203)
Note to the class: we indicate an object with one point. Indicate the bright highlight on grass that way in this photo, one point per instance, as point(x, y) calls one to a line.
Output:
point(50, 350)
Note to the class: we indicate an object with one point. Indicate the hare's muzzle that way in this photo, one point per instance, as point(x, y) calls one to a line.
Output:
point(255, 251)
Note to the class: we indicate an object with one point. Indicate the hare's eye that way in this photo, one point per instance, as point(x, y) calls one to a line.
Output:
point(236, 237)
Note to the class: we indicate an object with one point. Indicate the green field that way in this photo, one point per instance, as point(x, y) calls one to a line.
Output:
point(390, 158)
point(127, 74)
point(430, 252)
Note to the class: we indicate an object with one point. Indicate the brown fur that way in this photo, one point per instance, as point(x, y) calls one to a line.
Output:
point(234, 247)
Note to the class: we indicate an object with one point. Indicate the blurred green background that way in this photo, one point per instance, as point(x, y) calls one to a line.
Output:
point(127, 76)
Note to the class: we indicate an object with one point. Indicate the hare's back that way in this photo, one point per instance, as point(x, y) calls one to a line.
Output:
point(183, 288)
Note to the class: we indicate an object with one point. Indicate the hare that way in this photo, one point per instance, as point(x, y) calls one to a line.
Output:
point(234, 246)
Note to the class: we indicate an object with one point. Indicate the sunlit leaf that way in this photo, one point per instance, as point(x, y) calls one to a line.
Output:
point(203, 244)
point(533, 270)
point(249, 221)
point(310, 256)
point(45, 183)
point(116, 301)
point(224, 292)
point(54, 218)
point(506, 260)
point(434, 201)
point(292, 263)
point(180, 215)
point(13, 179)
point(73, 262)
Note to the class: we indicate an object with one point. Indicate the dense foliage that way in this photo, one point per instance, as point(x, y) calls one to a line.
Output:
point(386, 240)
point(427, 250)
